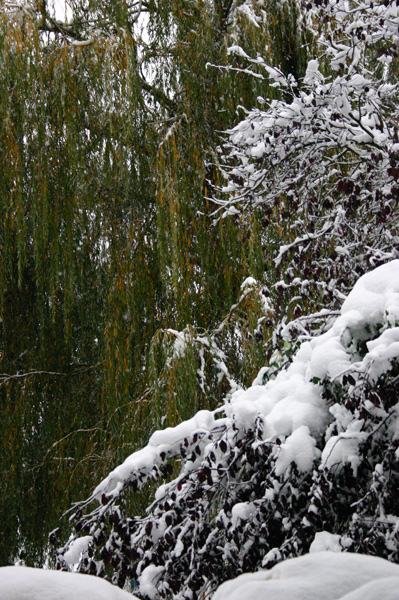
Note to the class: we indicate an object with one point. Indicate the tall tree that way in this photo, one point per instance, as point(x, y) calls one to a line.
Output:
point(108, 123)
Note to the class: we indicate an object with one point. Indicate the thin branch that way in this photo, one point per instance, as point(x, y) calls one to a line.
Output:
point(55, 444)
point(159, 96)
point(6, 378)
point(232, 310)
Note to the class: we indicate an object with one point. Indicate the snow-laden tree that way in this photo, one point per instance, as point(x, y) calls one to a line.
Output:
point(321, 164)
point(312, 445)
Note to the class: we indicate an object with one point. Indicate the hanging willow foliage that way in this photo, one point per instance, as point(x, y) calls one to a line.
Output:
point(107, 137)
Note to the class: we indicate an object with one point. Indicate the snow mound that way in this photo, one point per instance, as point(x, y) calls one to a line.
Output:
point(25, 583)
point(318, 576)
point(376, 294)
point(325, 541)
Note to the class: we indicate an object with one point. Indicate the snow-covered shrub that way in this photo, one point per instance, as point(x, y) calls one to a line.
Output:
point(314, 448)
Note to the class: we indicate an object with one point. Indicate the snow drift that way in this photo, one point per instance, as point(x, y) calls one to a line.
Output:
point(321, 576)
point(25, 583)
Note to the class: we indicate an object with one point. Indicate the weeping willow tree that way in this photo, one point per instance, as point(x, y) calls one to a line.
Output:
point(109, 117)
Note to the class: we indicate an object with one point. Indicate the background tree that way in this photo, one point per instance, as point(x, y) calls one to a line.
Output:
point(108, 123)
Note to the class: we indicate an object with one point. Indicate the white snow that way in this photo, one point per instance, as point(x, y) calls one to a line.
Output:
point(148, 580)
point(72, 556)
point(248, 282)
point(286, 403)
point(318, 576)
point(343, 449)
point(325, 541)
point(25, 583)
point(300, 448)
point(311, 71)
point(373, 300)
point(376, 294)
point(242, 511)
point(380, 589)
point(381, 351)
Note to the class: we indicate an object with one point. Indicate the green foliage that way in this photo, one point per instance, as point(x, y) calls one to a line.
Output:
point(107, 137)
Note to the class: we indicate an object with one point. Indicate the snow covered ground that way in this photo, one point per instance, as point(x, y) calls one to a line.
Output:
point(24, 583)
point(318, 576)
point(315, 576)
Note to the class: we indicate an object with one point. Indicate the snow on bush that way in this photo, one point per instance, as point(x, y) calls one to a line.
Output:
point(314, 448)
point(320, 163)
point(324, 575)
point(25, 583)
